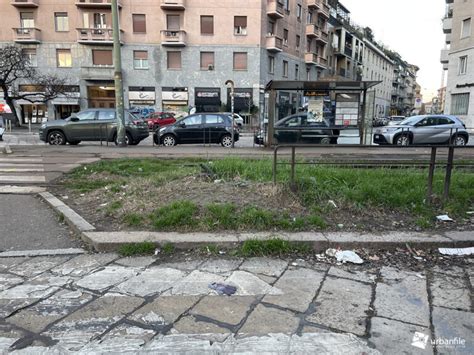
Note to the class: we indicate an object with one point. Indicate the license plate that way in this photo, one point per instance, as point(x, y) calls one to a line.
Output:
point(377, 136)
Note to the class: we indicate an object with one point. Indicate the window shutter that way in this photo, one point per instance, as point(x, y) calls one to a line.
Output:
point(174, 60)
point(207, 25)
point(240, 61)
point(207, 59)
point(102, 57)
point(139, 23)
point(240, 21)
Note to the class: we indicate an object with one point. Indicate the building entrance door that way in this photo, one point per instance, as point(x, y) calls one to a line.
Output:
point(101, 96)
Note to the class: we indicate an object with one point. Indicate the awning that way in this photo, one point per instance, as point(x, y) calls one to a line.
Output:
point(320, 85)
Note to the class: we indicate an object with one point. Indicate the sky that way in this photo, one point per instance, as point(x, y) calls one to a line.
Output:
point(413, 28)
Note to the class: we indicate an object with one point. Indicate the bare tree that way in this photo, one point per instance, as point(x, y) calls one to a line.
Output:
point(16, 69)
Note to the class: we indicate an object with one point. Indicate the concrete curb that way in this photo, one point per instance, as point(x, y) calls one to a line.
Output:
point(21, 190)
point(5, 148)
point(72, 218)
point(42, 252)
point(111, 241)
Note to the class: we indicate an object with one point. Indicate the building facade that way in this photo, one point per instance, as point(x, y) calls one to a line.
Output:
point(458, 59)
point(178, 54)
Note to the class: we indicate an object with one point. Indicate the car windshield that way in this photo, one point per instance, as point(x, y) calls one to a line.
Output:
point(411, 121)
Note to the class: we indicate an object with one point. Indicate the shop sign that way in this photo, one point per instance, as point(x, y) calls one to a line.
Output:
point(141, 95)
point(174, 95)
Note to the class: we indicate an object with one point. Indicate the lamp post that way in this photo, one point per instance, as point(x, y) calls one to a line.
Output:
point(118, 80)
point(230, 83)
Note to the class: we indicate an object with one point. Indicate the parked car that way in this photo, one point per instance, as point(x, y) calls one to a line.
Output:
point(302, 128)
point(198, 128)
point(93, 125)
point(380, 121)
point(393, 120)
point(157, 120)
point(239, 121)
point(425, 129)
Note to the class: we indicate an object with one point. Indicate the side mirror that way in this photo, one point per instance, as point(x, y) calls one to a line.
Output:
point(74, 118)
point(182, 125)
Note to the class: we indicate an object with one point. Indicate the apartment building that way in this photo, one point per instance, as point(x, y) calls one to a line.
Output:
point(379, 67)
point(458, 59)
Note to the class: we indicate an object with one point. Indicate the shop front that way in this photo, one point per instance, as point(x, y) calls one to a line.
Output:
point(65, 105)
point(33, 113)
point(174, 99)
point(101, 96)
point(142, 100)
point(207, 99)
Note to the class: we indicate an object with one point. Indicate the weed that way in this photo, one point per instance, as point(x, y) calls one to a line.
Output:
point(61, 218)
point(316, 221)
point(221, 215)
point(275, 246)
point(143, 248)
point(168, 248)
point(423, 222)
point(210, 249)
point(133, 219)
point(176, 214)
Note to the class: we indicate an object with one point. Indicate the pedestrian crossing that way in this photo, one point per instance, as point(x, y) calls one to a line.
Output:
point(21, 170)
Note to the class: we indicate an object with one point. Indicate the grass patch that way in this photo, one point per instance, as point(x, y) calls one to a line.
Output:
point(210, 249)
point(424, 222)
point(176, 214)
point(144, 248)
point(272, 247)
point(168, 248)
point(221, 215)
point(133, 219)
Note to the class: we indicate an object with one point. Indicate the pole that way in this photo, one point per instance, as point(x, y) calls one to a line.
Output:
point(118, 79)
point(429, 193)
point(231, 85)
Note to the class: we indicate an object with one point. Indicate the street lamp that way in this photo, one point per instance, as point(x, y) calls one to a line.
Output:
point(230, 83)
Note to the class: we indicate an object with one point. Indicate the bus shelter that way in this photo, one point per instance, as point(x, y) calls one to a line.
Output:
point(345, 104)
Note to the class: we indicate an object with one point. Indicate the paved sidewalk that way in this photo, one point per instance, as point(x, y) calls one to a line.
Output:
point(103, 303)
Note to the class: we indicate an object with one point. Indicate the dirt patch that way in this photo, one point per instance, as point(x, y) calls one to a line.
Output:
point(105, 207)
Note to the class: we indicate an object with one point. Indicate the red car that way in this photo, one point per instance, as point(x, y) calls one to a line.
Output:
point(159, 119)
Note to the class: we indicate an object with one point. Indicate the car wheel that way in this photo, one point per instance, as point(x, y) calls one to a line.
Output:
point(74, 142)
point(402, 139)
point(325, 140)
point(226, 141)
point(156, 138)
point(128, 139)
point(459, 140)
point(168, 140)
point(56, 138)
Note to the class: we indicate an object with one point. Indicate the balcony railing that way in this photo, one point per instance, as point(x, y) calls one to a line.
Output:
point(95, 36)
point(322, 62)
point(25, 3)
point(324, 9)
point(97, 3)
point(314, 4)
point(311, 58)
point(348, 51)
point(312, 30)
point(274, 43)
point(447, 24)
point(173, 4)
point(27, 35)
point(448, 38)
point(444, 56)
point(274, 9)
point(173, 38)
point(324, 37)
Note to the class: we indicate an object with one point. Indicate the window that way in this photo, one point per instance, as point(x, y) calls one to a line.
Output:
point(64, 58)
point(240, 25)
point(61, 22)
point(86, 115)
point(271, 65)
point(27, 20)
point(106, 115)
point(207, 25)
point(139, 23)
point(298, 40)
point(192, 120)
point(285, 69)
point(463, 65)
point(286, 5)
point(285, 37)
point(466, 28)
point(297, 71)
point(140, 59)
point(172, 22)
point(309, 17)
point(271, 28)
point(102, 57)
point(298, 12)
point(99, 20)
point(207, 60)
point(214, 119)
point(30, 55)
point(459, 104)
point(240, 61)
point(308, 74)
point(174, 60)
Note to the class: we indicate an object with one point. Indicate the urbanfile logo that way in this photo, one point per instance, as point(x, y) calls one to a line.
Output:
point(420, 340)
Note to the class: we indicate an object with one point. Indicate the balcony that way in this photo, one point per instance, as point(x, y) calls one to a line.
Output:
point(322, 62)
point(347, 51)
point(274, 9)
point(314, 4)
point(449, 1)
point(447, 24)
point(98, 72)
point(323, 38)
point(312, 31)
point(444, 56)
point(95, 36)
point(274, 43)
point(173, 38)
point(98, 4)
point(311, 58)
point(173, 5)
point(448, 38)
point(27, 35)
point(324, 10)
point(25, 3)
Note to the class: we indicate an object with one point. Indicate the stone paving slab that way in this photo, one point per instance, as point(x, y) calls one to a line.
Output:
point(450, 292)
point(298, 288)
point(352, 273)
point(224, 309)
point(264, 266)
point(106, 278)
point(402, 296)
point(455, 326)
point(249, 284)
point(220, 266)
point(264, 320)
point(343, 305)
point(394, 337)
point(8, 280)
point(84, 264)
point(196, 283)
point(37, 265)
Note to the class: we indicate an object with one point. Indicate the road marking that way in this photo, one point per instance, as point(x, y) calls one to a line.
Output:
point(21, 170)
point(19, 178)
point(21, 160)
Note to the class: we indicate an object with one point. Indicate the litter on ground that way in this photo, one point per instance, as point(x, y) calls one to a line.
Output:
point(457, 251)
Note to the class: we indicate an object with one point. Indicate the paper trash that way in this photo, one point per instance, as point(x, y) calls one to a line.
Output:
point(457, 251)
